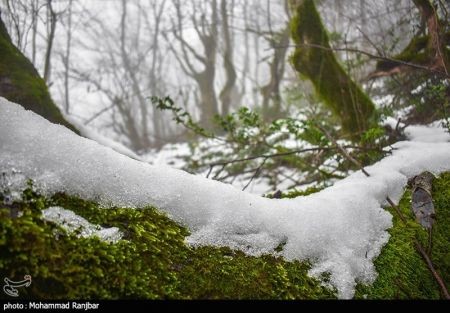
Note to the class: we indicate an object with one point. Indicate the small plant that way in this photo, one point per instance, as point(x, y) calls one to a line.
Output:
point(285, 153)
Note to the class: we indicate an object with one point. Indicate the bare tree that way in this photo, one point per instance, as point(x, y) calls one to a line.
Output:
point(130, 69)
point(156, 87)
point(229, 91)
point(207, 32)
point(66, 58)
point(271, 104)
point(34, 24)
point(51, 22)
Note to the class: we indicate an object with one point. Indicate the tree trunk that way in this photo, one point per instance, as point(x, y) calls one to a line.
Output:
point(51, 37)
point(144, 136)
point(314, 60)
point(66, 59)
point(208, 34)
point(436, 45)
point(21, 83)
point(208, 99)
point(428, 50)
point(226, 95)
point(271, 105)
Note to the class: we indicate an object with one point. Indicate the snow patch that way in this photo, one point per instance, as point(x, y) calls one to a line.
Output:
point(429, 133)
point(75, 223)
point(169, 155)
point(340, 229)
point(107, 142)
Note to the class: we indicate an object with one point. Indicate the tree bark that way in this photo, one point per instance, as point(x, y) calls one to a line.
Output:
point(226, 95)
point(208, 34)
point(436, 45)
point(66, 59)
point(21, 83)
point(51, 37)
point(271, 105)
point(332, 84)
point(428, 50)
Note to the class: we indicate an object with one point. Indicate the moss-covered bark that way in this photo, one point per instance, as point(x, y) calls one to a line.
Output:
point(429, 50)
point(21, 83)
point(154, 262)
point(417, 52)
point(314, 59)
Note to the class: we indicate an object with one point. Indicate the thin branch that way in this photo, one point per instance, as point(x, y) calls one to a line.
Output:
point(380, 51)
point(276, 155)
point(219, 171)
point(268, 156)
point(370, 55)
point(93, 117)
point(258, 170)
point(180, 38)
point(432, 269)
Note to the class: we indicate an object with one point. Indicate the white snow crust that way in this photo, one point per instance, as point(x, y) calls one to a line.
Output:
point(340, 229)
point(75, 223)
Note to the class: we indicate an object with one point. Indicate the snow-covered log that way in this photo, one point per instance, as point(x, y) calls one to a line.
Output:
point(340, 229)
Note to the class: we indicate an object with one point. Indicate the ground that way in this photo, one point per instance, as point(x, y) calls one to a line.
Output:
point(154, 262)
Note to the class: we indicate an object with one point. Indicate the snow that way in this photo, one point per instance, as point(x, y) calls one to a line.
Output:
point(424, 133)
point(75, 223)
point(169, 155)
point(430, 133)
point(92, 134)
point(340, 229)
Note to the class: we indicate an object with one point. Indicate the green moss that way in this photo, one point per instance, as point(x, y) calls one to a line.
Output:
point(290, 194)
point(318, 64)
point(153, 262)
point(419, 51)
point(21, 83)
point(402, 274)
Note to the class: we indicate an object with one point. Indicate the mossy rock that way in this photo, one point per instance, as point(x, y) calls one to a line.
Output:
point(153, 261)
point(21, 83)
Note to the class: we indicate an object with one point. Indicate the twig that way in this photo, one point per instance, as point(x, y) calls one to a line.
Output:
point(219, 171)
point(265, 156)
point(380, 51)
point(342, 150)
point(399, 213)
point(99, 113)
point(432, 269)
point(258, 170)
point(276, 155)
point(209, 171)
